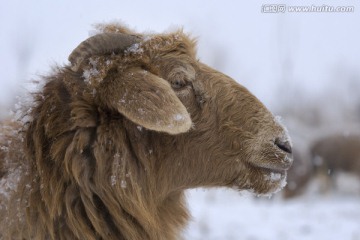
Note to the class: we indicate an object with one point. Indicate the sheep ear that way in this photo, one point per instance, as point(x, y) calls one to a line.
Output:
point(146, 100)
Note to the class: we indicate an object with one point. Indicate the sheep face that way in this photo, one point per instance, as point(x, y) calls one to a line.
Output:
point(235, 141)
point(214, 132)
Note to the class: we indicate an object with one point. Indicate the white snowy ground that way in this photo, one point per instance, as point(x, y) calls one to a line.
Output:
point(229, 215)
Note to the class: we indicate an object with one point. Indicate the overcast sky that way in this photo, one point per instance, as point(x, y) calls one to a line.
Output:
point(306, 51)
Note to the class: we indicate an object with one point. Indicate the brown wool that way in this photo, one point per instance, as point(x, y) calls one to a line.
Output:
point(116, 138)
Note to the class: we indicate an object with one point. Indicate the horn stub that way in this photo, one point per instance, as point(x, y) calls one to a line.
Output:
point(103, 43)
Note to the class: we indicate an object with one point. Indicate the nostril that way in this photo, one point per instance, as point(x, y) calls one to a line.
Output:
point(283, 145)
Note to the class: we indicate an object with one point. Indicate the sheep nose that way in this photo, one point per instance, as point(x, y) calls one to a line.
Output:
point(284, 145)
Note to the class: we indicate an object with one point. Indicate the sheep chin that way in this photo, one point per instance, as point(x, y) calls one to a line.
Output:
point(277, 181)
point(270, 183)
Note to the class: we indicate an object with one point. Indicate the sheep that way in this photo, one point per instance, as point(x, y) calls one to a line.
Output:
point(114, 139)
point(334, 154)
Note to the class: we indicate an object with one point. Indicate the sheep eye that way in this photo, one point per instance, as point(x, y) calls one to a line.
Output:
point(178, 84)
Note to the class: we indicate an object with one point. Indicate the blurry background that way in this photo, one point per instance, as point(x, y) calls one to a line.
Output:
point(303, 66)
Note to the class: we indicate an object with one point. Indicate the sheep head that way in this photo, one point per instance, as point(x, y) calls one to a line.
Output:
point(212, 131)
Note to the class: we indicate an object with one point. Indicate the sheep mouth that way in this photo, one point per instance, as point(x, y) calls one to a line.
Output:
point(273, 170)
point(276, 168)
point(272, 174)
point(279, 163)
